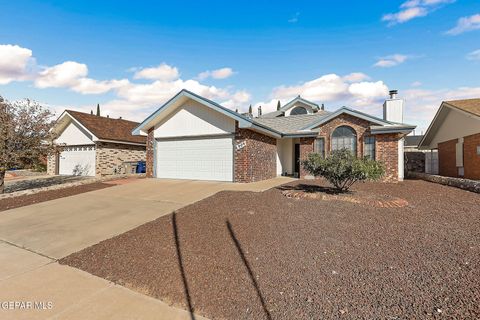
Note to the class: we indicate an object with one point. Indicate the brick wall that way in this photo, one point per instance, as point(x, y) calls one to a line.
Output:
point(257, 160)
point(149, 156)
point(447, 158)
point(471, 160)
point(111, 156)
point(306, 147)
point(386, 151)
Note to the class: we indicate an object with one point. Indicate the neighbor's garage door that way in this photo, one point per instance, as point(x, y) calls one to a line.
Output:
point(78, 160)
point(197, 159)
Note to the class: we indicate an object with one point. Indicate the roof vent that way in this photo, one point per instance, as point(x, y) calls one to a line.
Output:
point(393, 94)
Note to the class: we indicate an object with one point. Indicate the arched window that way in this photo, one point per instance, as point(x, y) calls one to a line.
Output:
point(344, 137)
point(298, 110)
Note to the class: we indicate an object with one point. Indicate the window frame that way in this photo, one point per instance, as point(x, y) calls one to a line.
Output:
point(333, 143)
point(370, 140)
point(297, 108)
point(315, 146)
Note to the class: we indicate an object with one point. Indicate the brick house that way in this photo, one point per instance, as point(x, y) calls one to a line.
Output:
point(92, 145)
point(191, 137)
point(455, 134)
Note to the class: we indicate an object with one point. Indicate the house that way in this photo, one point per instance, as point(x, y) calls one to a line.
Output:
point(191, 137)
point(92, 145)
point(455, 133)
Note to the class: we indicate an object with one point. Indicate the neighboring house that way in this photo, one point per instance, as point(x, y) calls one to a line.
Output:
point(414, 158)
point(191, 137)
point(455, 133)
point(92, 145)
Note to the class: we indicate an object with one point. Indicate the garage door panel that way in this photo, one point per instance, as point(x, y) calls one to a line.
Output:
point(198, 159)
point(77, 161)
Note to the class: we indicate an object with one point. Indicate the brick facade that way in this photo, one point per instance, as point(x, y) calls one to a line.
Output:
point(109, 157)
point(257, 159)
point(386, 151)
point(52, 163)
point(150, 156)
point(306, 147)
point(447, 165)
point(471, 159)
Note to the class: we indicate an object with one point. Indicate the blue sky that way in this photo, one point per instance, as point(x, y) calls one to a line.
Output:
point(132, 56)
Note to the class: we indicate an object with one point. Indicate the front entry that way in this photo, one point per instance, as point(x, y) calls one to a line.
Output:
point(296, 159)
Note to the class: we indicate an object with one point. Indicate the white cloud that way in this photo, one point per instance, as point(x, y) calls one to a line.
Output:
point(163, 72)
point(221, 73)
point(295, 17)
point(413, 9)
point(416, 84)
point(465, 24)
point(391, 61)
point(15, 62)
point(355, 77)
point(474, 55)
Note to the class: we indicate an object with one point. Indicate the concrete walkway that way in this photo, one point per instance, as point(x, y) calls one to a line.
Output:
point(62, 292)
point(33, 237)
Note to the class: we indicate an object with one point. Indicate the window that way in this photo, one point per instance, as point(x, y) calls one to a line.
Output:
point(319, 147)
point(344, 137)
point(298, 110)
point(369, 147)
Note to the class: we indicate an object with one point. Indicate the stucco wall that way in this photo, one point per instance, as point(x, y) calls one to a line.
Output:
point(73, 135)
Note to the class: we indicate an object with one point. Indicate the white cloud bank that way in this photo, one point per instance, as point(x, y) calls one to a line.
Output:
point(163, 72)
point(412, 9)
point(465, 24)
point(474, 55)
point(15, 62)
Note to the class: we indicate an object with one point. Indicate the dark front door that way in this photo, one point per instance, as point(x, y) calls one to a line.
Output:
point(297, 160)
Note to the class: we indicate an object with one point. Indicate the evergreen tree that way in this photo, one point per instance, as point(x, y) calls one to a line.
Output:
point(91, 112)
point(250, 111)
point(98, 109)
point(278, 105)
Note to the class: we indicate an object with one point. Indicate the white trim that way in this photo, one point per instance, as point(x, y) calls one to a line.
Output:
point(120, 142)
point(77, 122)
point(343, 110)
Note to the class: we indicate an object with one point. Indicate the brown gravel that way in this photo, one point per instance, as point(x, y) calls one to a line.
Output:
point(26, 200)
point(242, 255)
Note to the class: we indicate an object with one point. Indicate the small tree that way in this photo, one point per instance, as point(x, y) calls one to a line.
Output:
point(278, 105)
point(24, 134)
point(342, 168)
point(250, 111)
point(98, 109)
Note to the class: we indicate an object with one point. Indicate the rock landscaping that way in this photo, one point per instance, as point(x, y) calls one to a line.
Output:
point(245, 255)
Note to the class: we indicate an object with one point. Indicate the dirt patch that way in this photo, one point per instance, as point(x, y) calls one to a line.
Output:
point(244, 255)
point(26, 200)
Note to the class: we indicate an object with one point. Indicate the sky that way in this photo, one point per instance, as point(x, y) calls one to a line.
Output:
point(132, 56)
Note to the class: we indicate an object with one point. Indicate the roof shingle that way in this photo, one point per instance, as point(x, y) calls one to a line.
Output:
point(108, 128)
point(469, 105)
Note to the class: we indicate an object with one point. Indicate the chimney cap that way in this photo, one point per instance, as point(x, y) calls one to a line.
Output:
point(393, 91)
point(393, 94)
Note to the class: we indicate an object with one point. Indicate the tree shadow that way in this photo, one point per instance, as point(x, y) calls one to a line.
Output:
point(249, 269)
point(180, 265)
point(310, 188)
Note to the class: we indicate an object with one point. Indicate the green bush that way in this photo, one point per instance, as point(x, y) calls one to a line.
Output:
point(342, 168)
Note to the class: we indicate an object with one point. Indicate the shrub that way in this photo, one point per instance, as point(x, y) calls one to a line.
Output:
point(342, 168)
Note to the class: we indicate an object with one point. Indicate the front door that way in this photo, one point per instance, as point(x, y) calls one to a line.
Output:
point(297, 160)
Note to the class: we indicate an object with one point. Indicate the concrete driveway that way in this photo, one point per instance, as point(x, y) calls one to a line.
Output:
point(60, 227)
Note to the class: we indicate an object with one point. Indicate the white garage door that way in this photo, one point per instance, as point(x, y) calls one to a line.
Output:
point(197, 159)
point(77, 161)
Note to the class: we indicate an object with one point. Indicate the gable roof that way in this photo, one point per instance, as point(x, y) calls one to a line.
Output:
point(184, 95)
point(468, 105)
point(104, 128)
point(413, 141)
point(292, 124)
point(290, 104)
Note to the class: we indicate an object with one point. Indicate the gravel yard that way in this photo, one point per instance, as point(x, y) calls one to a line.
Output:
point(245, 255)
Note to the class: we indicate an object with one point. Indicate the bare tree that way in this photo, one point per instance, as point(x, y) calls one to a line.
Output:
point(25, 134)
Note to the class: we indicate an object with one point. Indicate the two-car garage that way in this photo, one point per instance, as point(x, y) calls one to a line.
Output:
point(199, 159)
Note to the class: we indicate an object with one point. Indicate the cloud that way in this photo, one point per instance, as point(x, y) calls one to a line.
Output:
point(221, 73)
point(465, 24)
point(391, 61)
point(474, 55)
point(163, 72)
point(355, 77)
point(294, 18)
point(73, 75)
point(15, 62)
point(413, 9)
point(416, 84)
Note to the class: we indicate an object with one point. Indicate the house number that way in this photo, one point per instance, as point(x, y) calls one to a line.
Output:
point(241, 145)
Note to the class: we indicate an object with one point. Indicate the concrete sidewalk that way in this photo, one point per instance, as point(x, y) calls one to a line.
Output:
point(68, 293)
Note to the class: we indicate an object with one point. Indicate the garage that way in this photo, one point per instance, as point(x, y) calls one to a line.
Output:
point(77, 160)
point(198, 159)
